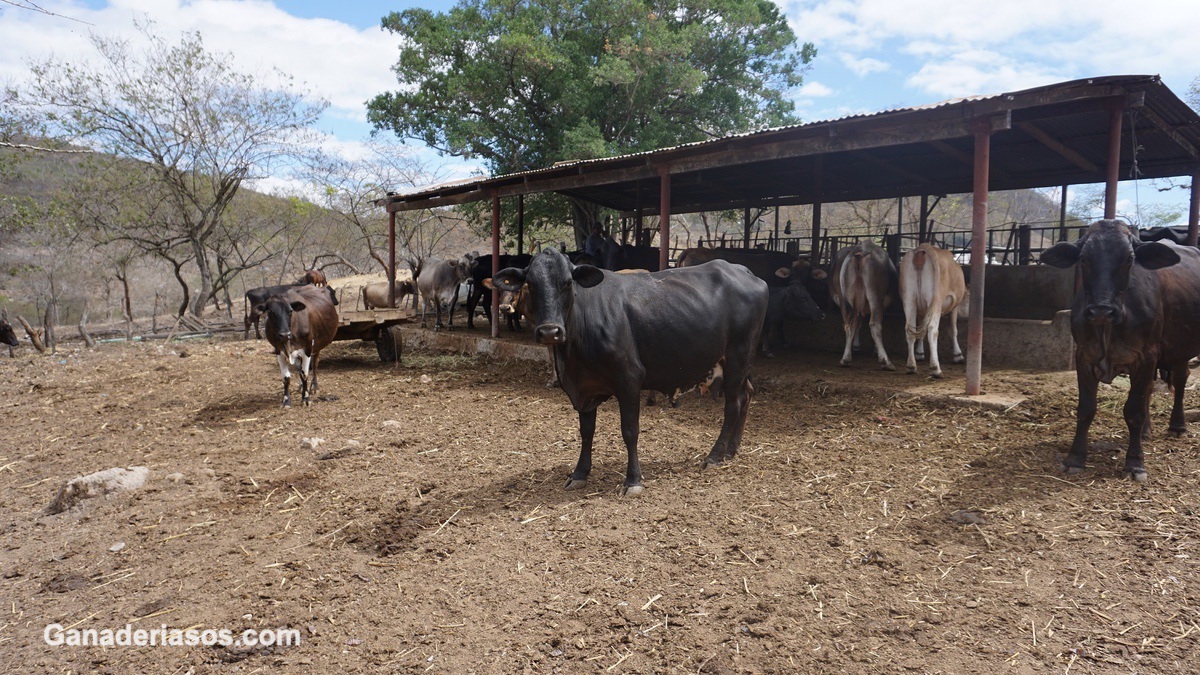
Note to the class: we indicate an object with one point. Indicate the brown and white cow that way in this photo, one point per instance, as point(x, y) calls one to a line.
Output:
point(1136, 309)
point(300, 323)
point(862, 285)
point(931, 285)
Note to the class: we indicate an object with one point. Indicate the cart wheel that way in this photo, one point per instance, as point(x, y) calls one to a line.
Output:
point(389, 342)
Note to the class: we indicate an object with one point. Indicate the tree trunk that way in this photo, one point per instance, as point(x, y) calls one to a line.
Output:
point(87, 339)
point(585, 213)
point(33, 336)
point(127, 304)
point(48, 326)
point(206, 279)
point(183, 306)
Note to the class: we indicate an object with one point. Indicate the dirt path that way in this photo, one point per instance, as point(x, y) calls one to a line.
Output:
point(859, 530)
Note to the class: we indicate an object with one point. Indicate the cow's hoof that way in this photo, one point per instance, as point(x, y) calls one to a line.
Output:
point(887, 366)
point(960, 359)
point(711, 463)
point(1136, 475)
point(1177, 431)
point(1072, 470)
point(937, 374)
point(575, 484)
point(845, 363)
point(911, 370)
point(632, 490)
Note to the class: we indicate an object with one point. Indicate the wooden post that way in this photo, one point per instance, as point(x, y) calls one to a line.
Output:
point(746, 228)
point(637, 237)
point(818, 186)
point(391, 260)
point(777, 246)
point(495, 262)
point(983, 142)
point(664, 215)
point(1194, 210)
point(1115, 111)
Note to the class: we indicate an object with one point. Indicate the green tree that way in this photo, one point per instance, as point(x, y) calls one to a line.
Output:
point(523, 84)
point(199, 127)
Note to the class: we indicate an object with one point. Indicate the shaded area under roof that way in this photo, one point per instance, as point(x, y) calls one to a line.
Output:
point(1043, 137)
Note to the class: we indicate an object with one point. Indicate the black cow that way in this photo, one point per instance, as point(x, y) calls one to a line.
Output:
point(8, 336)
point(787, 302)
point(1136, 308)
point(616, 257)
point(617, 334)
point(479, 291)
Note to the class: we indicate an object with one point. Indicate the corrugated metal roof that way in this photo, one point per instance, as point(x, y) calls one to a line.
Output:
point(1158, 99)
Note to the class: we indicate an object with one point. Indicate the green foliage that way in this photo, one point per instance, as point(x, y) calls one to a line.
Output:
point(523, 84)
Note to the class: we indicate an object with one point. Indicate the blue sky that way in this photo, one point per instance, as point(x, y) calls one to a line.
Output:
point(872, 54)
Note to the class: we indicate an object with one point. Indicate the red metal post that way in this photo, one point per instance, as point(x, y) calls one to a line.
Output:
point(495, 262)
point(1115, 111)
point(392, 259)
point(1194, 210)
point(983, 151)
point(664, 216)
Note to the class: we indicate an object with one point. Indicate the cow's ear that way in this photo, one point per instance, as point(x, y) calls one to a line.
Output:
point(587, 275)
point(819, 274)
point(783, 273)
point(509, 279)
point(298, 306)
point(1155, 255)
point(487, 283)
point(1063, 255)
point(261, 308)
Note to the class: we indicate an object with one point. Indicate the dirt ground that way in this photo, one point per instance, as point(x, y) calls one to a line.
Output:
point(862, 528)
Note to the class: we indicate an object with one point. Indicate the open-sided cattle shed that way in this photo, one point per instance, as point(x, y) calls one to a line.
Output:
point(1093, 130)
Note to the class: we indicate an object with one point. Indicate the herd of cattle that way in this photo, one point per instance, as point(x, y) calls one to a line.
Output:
point(617, 325)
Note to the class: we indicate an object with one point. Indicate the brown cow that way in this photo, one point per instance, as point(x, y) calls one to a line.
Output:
point(1136, 309)
point(314, 277)
point(300, 323)
point(863, 285)
point(931, 284)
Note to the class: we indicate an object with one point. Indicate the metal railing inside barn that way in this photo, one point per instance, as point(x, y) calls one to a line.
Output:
point(1011, 243)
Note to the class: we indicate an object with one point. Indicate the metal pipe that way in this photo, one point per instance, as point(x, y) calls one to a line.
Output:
point(983, 143)
point(520, 224)
point(392, 260)
point(1194, 210)
point(664, 215)
point(495, 262)
point(1115, 111)
point(818, 186)
point(1062, 215)
point(923, 226)
point(746, 228)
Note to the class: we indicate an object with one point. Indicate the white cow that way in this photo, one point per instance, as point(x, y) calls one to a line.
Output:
point(862, 284)
point(931, 285)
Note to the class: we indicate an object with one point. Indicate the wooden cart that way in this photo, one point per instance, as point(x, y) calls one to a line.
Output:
point(381, 326)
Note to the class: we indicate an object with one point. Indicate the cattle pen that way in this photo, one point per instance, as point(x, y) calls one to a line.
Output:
point(1056, 135)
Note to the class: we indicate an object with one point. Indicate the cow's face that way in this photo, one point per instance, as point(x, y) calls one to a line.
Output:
point(551, 280)
point(278, 310)
point(7, 335)
point(797, 303)
point(1106, 254)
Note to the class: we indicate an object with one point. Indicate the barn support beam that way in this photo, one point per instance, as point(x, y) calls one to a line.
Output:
point(1062, 215)
point(923, 225)
point(664, 215)
point(1115, 111)
point(495, 262)
point(637, 237)
point(746, 228)
point(814, 256)
point(775, 244)
point(520, 224)
point(979, 197)
point(1194, 210)
point(392, 259)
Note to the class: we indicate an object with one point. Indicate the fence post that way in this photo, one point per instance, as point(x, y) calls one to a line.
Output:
point(1024, 244)
point(892, 243)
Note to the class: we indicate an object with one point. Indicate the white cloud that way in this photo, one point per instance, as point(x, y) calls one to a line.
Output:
point(815, 90)
point(973, 72)
point(332, 59)
point(863, 66)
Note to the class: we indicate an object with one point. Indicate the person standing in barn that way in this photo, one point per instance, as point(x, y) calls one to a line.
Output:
point(594, 241)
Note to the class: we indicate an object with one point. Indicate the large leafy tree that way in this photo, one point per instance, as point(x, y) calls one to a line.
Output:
point(522, 84)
